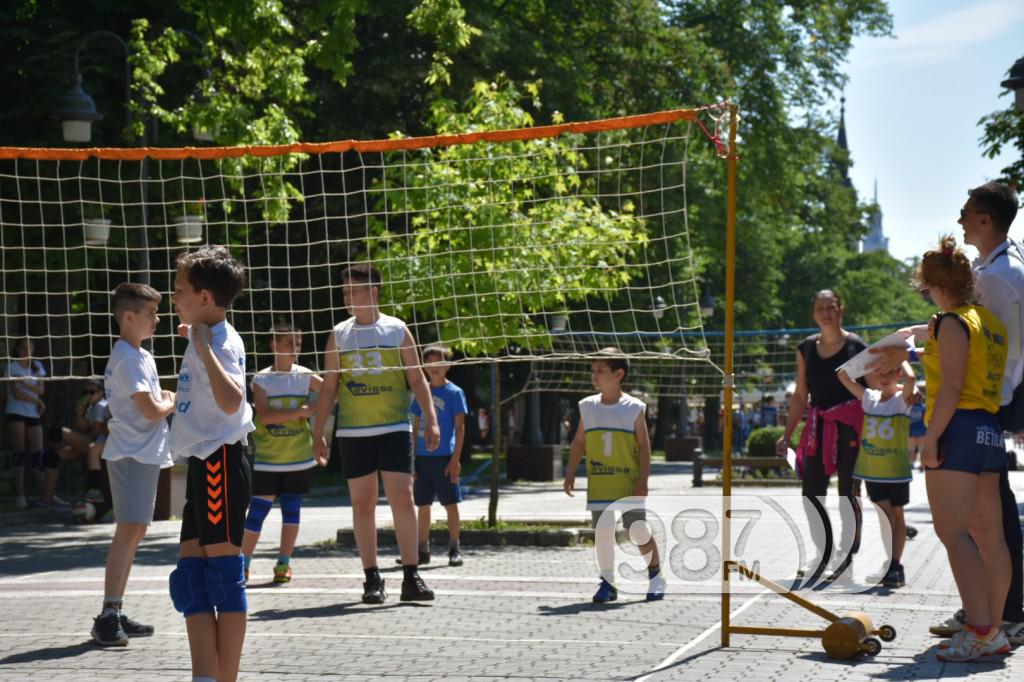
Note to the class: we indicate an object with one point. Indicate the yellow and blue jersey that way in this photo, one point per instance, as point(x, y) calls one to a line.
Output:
point(986, 360)
point(286, 446)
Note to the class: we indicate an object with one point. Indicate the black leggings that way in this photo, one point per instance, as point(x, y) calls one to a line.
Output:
point(814, 488)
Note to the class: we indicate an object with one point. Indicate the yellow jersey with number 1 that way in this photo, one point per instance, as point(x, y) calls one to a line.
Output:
point(373, 396)
point(613, 461)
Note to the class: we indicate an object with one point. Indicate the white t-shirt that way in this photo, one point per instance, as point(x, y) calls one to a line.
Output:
point(999, 283)
point(199, 426)
point(16, 369)
point(131, 370)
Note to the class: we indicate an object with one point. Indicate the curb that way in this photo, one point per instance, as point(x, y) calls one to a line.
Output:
point(564, 537)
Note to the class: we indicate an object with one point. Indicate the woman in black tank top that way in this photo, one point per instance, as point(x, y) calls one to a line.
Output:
point(818, 357)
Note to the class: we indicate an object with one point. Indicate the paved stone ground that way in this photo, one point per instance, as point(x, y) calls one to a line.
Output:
point(508, 613)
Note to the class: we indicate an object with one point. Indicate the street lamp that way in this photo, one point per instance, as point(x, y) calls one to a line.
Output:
point(659, 307)
point(76, 110)
point(1016, 83)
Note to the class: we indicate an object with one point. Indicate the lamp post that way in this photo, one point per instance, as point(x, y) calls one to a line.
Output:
point(76, 111)
point(1016, 83)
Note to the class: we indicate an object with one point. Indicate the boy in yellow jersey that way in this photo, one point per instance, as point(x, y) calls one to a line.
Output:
point(373, 357)
point(882, 461)
point(282, 445)
point(613, 435)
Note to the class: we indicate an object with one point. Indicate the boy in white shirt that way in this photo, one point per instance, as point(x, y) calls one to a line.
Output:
point(209, 429)
point(136, 450)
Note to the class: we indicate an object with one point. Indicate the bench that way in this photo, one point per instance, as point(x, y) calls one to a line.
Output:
point(699, 462)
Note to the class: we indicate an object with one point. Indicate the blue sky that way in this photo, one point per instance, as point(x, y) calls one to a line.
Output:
point(912, 106)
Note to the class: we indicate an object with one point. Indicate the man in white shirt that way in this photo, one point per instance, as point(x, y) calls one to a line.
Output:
point(999, 282)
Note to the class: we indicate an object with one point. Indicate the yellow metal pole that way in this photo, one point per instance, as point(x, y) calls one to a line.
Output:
point(730, 300)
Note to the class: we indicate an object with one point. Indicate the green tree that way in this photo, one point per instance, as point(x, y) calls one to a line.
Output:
point(507, 223)
point(1005, 129)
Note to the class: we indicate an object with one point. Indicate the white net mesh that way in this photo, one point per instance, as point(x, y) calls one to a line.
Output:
point(764, 362)
point(552, 242)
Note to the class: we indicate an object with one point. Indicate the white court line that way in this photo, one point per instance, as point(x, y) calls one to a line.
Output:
point(428, 638)
point(699, 638)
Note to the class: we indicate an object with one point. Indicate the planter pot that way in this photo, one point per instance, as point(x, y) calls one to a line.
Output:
point(190, 229)
point(97, 231)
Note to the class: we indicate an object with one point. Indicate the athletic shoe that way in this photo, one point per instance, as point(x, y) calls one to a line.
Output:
point(894, 577)
point(656, 588)
point(970, 646)
point(606, 592)
point(107, 631)
point(414, 589)
point(454, 557)
point(1014, 633)
point(911, 532)
point(373, 590)
point(950, 626)
point(94, 496)
point(134, 628)
point(946, 643)
point(282, 573)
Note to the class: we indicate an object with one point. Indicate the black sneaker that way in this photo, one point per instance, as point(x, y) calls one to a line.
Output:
point(414, 589)
point(454, 557)
point(894, 577)
point(134, 628)
point(107, 631)
point(373, 591)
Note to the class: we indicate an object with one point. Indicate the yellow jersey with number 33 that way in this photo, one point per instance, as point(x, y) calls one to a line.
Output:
point(613, 461)
point(373, 396)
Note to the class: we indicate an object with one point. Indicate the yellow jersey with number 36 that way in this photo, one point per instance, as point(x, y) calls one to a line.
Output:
point(613, 461)
point(373, 395)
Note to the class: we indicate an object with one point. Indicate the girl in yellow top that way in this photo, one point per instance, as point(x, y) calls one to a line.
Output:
point(963, 449)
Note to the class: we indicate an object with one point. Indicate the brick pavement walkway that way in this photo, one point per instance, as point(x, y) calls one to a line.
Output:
point(509, 613)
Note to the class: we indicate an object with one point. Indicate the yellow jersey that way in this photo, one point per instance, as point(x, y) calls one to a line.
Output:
point(986, 360)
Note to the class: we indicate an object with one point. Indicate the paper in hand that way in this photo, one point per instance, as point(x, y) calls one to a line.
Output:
point(857, 366)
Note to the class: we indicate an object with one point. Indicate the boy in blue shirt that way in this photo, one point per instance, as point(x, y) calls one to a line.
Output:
point(437, 471)
point(209, 429)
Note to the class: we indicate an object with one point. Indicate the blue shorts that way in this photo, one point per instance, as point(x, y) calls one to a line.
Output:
point(918, 429)
point(972, 442)
point(430, 480)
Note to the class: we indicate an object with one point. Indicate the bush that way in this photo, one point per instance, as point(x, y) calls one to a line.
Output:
point(761, 442)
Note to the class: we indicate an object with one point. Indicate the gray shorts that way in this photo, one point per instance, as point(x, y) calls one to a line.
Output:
point(133, 487)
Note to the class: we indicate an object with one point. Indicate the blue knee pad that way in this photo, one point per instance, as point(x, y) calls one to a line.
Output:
point(225, 583)
point(291, 504)
point(18, 458)
point(258, 510)
point(188, 589)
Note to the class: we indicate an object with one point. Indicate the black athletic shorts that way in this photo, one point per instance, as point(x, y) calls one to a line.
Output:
point(217, 497)
point(29, 422)
point(281, 482)
point(898, 494)
point(363, 455)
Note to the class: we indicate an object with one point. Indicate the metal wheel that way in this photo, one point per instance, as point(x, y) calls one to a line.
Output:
point(872, 647)
point(887, 633)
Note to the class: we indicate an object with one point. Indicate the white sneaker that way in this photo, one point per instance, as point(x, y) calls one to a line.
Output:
point(1014, 633)
point(967, 645)
point(950, 626)
point(808, 569)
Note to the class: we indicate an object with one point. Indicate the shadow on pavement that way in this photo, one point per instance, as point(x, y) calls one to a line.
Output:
point(53, 653)
point(325, 611)
point(585, 607)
